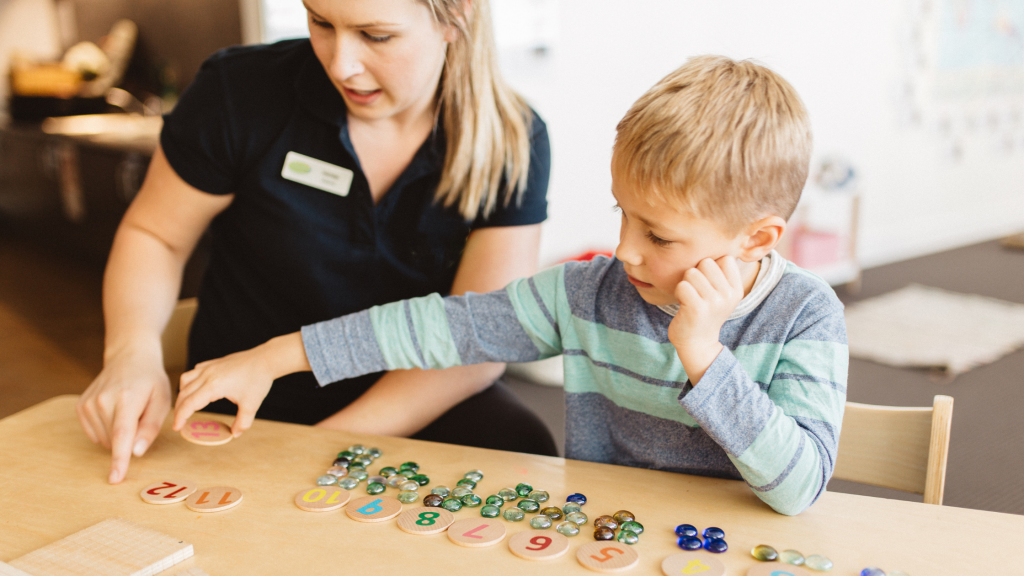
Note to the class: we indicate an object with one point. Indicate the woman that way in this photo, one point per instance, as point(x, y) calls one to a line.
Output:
point(381, 159)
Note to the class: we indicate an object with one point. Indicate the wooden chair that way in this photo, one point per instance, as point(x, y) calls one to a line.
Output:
point(174, 340)
point(894, 447)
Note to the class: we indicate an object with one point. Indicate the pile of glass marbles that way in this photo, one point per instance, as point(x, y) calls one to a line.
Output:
point(349, 470)
point(629, 529)
point(766, 553)
point(714, 539)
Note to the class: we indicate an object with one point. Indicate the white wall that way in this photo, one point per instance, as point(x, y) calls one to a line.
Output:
point(846, 59)
point(29, 26)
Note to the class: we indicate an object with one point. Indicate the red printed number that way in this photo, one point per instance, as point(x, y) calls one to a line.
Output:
point(606, 554)
point(171, 495)
point(159, 488)
point(541, 542)
point(472, 533)
point(216, 426)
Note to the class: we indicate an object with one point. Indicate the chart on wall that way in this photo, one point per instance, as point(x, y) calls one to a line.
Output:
point(963, 76)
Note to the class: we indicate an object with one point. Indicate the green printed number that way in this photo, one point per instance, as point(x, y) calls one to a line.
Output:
point(427, 518)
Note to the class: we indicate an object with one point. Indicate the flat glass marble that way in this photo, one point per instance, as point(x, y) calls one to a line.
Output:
point(716, 545)
point(605, 522)
point(764, 553)
point(343, 462)
point(452, 504)
point(408, 485)
point(527, 505)
point(577, 498)
point(353, 467)
point(540, 496)
point(627, 537)
point(624, 516)
point(441, 491)
point(327, 480)
point(375, 488)
point(409, 466)
point(471, 500)
point(490, 511)
point(509, 494)
point(397, 480)
point(633, 526)
point(363, 460)
point(570, 507)
point(474, 475)
point(553, 512)
point(714, 533)
point(374, 453)
point(433, 500)
point(408, 496)
point(420, 479)
point(523, 489)
point(689, 543)
point(540, 522)
point(359, 475)
point(467, 483)
point(577, 518)
point(357, 449)
point(348, 483)
point(388, 471)
point(818, 562)
point(461, 491)
point(494, 500)
point(604, 533)
point(346, 454)
point(686, 530)
point(872, 572)
point(791, 557)
point(567, 528)
point(513, 515)
point(377, 479)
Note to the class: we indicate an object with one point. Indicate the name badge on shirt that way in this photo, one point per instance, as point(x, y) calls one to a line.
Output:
point(317, 173)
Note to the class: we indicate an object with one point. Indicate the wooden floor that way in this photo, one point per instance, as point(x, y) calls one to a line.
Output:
point(51, 343)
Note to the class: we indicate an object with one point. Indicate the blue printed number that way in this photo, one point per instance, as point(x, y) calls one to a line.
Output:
point(371, 508)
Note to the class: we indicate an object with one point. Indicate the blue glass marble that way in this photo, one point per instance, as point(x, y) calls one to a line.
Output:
point(577, 498)
point(686, 530)
point(870, 571)
point(689, 543)
point(714, 533)
point(716, 545)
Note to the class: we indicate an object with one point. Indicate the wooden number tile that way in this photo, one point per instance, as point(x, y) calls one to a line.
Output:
point(168, 491)
point(692, 563)
point(424, 520)
point(538, 545)
point(214, 499)
point(374, 509)
point(776, 569)
point(322, 498)
point(606, 556)
point(206, 431)
point(477, 532)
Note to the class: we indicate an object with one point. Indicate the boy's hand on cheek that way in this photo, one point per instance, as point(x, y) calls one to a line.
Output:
point(708, 294)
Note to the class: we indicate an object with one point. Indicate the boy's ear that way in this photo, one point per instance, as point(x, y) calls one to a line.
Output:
point(761, 238)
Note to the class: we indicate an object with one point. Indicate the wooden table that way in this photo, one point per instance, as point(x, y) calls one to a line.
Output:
point(53, 483)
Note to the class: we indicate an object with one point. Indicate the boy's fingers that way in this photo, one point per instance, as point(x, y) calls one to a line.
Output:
point(731, 269)
point(699, 282)
point(714, 273)
point(243, 420)
point(686, 293)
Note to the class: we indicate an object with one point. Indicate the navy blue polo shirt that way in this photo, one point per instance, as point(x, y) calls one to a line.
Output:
point(285, 254)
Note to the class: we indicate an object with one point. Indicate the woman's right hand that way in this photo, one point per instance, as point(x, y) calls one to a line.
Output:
point(125, 406)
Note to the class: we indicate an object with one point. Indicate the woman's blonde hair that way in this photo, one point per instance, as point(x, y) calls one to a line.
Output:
point(487, 124)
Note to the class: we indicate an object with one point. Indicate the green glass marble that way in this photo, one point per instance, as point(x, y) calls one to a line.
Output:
point(490, 511)
point(461, 491)
point(474, 475)
point(624, 516)
point(347, 454)
point(353, 466)
point(375, 488)
point(604, 533)
point(409, 485)
point(357, 449)
point(540, 496)
point(374, 453)
point(527, 505)
point(494, 500)
point(791, 557)
point(452, 504)
point(433, 500)
point(508, 494)
point(327, 480)
point(578, 518)
point(514, 514)
point(523, 489)
point(410, 466)
point(553, 512)
point(359, 475)
point(571, 507)
point(362, 460)
point(633, 526)
point(388, 471)
point(605, 522)
point(421, 479)
point(471, 500)
point(764, 553)
point(567, 528)
point(348, 483)
point(818, 562)
point(627, 537)
point(408, 496)
point(441, 491)
point(467, 483)
point(540, 522)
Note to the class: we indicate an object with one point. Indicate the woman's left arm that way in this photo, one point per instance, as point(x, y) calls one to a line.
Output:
point(403, 402)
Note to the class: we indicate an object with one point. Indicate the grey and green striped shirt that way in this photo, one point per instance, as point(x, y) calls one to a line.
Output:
point(768, 410)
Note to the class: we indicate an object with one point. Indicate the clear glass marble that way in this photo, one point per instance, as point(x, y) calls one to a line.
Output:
point(509, 494)
point(578, 518)
point(791, 557)
point(540, 522)
point(348, 483)
point(357, 449)
point(327, 480)
point(513, 514)
point(396, 480)
point(441, 491)
point(359, 475)
point(377, 479)
point(540, 496)
point(474, 475)
point(409, 485)
point(374, 453)
point(408, 496)
point(818, 562)
point(363, 460)
point(461, 491)
point(570, 507)
point(567, 528)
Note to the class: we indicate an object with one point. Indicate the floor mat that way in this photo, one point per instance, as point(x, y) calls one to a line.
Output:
point(923, 327)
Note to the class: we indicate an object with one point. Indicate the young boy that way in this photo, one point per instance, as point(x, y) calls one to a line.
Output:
point(697, 349)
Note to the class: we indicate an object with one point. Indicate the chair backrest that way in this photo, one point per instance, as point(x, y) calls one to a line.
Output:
point(174, 340)
point(894, 447)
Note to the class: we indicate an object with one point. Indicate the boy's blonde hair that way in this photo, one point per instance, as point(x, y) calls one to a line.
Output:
point(725, 140)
